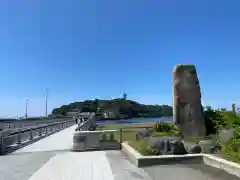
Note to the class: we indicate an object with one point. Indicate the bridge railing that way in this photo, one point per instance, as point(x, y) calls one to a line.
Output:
point(27, 123)
point(87, 124)
point(12, 140)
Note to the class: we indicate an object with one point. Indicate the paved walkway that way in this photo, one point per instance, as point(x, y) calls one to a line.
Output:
point(75, 166)
point(59, 141)
point(51, 159)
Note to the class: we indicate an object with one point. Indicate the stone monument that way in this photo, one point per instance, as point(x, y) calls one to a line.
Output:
point(187, 107)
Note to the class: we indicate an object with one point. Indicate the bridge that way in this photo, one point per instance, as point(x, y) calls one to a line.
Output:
point(49, 151)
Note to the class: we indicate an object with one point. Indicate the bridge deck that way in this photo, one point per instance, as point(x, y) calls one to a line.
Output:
point(59, 141)
point(50, 159)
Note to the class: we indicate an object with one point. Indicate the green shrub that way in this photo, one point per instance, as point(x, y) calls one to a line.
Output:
point(218, 119)
point(143, 148)
point(153, 151)
point(168, 128)
point(232, 148)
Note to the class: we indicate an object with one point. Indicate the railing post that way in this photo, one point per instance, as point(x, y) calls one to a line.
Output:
point(40, 131)
point(19, 138)
point(120, 131)
point(2, 143)
point(31, 134)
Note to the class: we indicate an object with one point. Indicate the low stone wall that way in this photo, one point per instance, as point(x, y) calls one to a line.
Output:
point(210, 160)
point(132, 154)
point(228, 166)
point(91, 140)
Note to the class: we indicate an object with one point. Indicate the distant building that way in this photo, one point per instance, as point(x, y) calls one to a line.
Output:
point(110, 113)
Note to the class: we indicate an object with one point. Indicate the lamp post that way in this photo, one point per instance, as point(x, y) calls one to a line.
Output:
point(46, 103)
point(26, 108)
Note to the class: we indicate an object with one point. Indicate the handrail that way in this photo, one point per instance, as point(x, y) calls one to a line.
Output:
point(9, 139)
point(22, 130)
point(27, 123)
point(86, 125)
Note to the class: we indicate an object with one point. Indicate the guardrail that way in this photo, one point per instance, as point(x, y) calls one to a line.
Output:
point(13, 140)
point(27, 123)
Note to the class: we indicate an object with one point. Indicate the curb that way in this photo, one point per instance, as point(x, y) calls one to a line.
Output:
point(227, 166)
point(210, 160)
point(131, 153)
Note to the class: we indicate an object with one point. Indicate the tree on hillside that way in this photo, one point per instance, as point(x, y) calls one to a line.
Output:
point(120, 107)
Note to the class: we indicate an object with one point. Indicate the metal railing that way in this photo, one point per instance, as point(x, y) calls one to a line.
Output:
point(27, 123)
point(13, 140)
point(87, 124)
point(129, 133)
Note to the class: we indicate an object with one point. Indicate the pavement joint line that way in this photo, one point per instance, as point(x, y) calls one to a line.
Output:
point(216, 162)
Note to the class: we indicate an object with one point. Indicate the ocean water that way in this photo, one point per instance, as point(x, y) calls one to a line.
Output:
point(137, 120)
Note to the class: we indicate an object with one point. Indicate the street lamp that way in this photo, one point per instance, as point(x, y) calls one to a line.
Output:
point(46, 105)
point(26, 106)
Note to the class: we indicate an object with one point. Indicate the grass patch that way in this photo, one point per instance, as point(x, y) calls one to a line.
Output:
point(140, 146)
point(129, 131)
point(126, 126)
point(143, 148)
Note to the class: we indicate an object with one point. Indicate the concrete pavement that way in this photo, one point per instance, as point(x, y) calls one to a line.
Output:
point(187, 172)
point(52, 159)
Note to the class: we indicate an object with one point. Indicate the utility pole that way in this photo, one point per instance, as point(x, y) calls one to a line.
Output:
point(26, 106)
point(46, 105)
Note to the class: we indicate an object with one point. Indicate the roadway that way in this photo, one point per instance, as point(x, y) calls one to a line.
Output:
point(51, 158)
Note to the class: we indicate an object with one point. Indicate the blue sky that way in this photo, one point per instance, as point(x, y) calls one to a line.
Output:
point(99, 49)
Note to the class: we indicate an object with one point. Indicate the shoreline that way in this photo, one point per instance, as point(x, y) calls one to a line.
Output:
point(127, 118)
